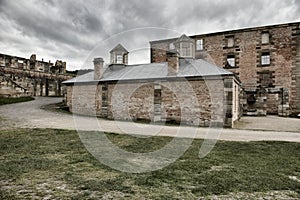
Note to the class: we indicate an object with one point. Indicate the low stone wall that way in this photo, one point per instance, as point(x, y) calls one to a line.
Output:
point(19, 82)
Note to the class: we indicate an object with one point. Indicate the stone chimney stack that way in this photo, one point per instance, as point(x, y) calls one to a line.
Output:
point(173, 63)
point(98, 68)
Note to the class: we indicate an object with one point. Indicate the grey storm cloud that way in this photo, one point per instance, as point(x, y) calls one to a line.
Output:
point(69, 30)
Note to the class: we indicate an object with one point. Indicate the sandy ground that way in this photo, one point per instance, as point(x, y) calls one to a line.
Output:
point(30, 115)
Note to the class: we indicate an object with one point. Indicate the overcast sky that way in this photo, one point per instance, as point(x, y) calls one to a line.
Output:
point(74, 30)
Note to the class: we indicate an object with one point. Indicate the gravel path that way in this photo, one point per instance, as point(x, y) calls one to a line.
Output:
point(30, 115)
point(270, 123)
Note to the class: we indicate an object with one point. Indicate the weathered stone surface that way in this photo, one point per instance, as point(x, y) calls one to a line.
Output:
point(29, 77)
point(283, 48)
point(195, 102)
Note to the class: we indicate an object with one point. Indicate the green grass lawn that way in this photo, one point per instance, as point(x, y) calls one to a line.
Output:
point(8, 100)
point(52, 163)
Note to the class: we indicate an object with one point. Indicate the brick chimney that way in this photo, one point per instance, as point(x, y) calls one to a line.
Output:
point(98, 68)
point(173, 63)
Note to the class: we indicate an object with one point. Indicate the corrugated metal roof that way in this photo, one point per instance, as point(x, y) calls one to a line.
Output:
point(187, 68)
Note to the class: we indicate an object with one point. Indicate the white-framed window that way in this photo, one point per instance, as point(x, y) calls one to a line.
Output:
point(199, 44)
point(119, 59)
point(171, 46)
point(265, 38)
point(185, 50)
point(231, 60)
point(265, 58)
point(230, 41)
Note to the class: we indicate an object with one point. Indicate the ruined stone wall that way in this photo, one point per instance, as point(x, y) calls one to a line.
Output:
point(247, 50)
point(29, 77)
point(17, 82)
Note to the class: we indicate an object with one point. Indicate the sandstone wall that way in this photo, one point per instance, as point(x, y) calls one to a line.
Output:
point(30, 77)
point(283, 47)
point(84, 99)
point(191, 102)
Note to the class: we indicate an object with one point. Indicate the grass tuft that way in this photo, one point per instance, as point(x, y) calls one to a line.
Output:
point(9, 100)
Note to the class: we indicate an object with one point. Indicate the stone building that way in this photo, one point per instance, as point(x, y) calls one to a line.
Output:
point(30, 77)
point(182, 89)
point(266, 60)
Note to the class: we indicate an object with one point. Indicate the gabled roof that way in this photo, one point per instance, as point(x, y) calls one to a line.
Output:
point(187, 69)
point(119, 48)
point(184, 38)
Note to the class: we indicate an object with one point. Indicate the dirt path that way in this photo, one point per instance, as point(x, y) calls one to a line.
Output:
point(30, 115)
point(270, 123)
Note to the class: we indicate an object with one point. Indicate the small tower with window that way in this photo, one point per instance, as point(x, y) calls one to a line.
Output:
point(185, 46)
point(119, 55)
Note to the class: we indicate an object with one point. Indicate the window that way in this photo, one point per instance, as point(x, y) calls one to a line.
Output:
point(265, 58)
point(185, 50)
point(119, 59)
point(185, 46)
point(265, 79)
point(199, 44)
point(230, 41)
point(157, 103)
point(104, 95)
point(171, 46)
point(265, 38)
point(230, 61)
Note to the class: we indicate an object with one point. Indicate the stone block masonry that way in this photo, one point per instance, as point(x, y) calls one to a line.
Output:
point(155, 101)
point(192, 92)
point(29, 77)
point(264, 58)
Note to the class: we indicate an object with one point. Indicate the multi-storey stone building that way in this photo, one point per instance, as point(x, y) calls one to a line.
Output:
point(182, 89)
point(266, 59)
point(30, 77)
